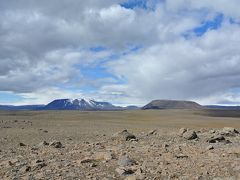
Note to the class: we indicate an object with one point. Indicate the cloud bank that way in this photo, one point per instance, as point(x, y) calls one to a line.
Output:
point(126, 52)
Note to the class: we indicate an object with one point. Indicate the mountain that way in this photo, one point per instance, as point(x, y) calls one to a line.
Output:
point(79, 104)
point(131, 107)
point(172, 104)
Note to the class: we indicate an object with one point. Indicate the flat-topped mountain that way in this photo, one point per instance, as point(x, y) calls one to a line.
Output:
point(172, 104)
point(79, 104)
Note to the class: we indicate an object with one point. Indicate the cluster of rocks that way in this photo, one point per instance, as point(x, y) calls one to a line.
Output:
point(6, 124)
point(157, 154)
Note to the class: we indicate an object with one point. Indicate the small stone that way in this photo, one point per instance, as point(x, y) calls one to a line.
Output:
point(212, 131)
point(165, 145)
point(28, 168)
point(39, 161)
point(125, 135)
point(87, 160)
point(44, 143)
point(56, 144)
point(210, 147)
point(229, 131)
point(152, 132)
point(126, 161)
point(25, 169)
point(181, 156)
point(13, 162)
point(22, 144)
point(182, 131)
point(190, 135)
point(38, 164)
point(215, 139)
point(107, 156)
point(123, 171)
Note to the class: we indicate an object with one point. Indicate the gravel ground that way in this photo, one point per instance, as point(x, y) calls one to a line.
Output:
point(94, 145)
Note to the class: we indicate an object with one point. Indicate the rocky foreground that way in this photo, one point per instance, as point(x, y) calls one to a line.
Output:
point(184, 154)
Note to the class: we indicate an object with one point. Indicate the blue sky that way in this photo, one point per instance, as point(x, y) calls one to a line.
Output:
point(125, 52)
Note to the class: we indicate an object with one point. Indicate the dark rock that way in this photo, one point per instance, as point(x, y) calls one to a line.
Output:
point(22, 144)
point(210, 147)
point(88, 160)
point(218, 138)
point(181, 156)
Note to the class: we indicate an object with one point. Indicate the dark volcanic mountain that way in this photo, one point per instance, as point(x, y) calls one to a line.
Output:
point(172, 104)
point(79, 104)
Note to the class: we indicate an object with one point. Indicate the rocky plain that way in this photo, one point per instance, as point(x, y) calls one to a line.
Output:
point(130, 145)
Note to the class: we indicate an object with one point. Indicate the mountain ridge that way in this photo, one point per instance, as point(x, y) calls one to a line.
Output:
point(172, 104)
point(79, 104)
point(92, 105)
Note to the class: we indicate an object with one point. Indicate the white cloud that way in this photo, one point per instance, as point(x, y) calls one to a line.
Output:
point(184, 69)
point(43, 44)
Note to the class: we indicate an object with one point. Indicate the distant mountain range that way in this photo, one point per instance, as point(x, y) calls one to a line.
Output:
point(92, 105)
point(71, 104)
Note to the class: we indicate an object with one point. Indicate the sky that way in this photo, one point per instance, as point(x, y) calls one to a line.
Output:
point(121, 51)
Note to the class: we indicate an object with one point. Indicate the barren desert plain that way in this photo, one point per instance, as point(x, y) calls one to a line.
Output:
point(106, 145)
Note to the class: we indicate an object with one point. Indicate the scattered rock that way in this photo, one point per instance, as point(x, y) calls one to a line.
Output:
point(40, 165)
point(190, 135)
point(124, 171)
point(56, 144)
point(44, 143)
point(210, 147)
point(125, 135)
point(107, 156)
point(182, 131)
point(181, 156)
point(126, 161)
point(229, 131)
point(22, 144)
point(218, 138)
point(212, 131)
point(13, 162)
point(88, 160)
point(152, 132)
point(25, 169)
